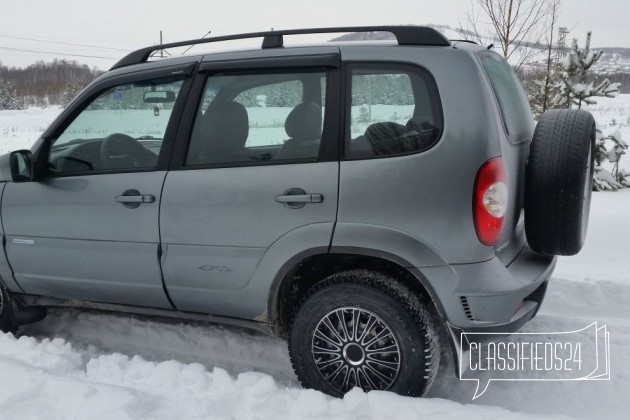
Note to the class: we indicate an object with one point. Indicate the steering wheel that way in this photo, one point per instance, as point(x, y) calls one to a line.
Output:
point(122, 151)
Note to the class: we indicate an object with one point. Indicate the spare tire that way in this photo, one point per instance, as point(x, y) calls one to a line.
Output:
point(559, 182)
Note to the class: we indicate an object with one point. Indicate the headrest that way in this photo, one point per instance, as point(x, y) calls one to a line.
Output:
point(227, 126)
point(304, 122)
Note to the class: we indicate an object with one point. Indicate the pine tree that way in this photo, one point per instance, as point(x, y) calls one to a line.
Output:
point(573, 89)
point(542, 89)
point(615, 179)
point(71, 90)
point(8, 96)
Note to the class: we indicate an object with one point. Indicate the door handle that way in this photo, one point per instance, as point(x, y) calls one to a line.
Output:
point(300, 198)
point(296, 198)
point(132, 199)
point(135, 199)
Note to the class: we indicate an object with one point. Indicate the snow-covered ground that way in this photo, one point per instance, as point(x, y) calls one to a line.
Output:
point(20, 129)
point(77, 364)
point(613, 114)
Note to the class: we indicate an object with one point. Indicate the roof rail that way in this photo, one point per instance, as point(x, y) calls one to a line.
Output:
point(405, 35)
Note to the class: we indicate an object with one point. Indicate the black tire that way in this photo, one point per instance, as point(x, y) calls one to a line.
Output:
point(559, 182)
point(6, 321)
point(407, 360)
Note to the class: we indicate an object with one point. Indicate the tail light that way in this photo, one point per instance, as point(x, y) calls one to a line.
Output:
point(490, 201)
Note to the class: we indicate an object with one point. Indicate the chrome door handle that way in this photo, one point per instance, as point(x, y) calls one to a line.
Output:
point(135, 198)
point(132, 199)
point(300, 198)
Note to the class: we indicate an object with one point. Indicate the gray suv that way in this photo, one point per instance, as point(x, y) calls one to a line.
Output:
point(365, 201)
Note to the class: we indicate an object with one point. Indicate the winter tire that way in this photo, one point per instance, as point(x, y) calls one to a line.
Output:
point(559, 182)
point(363, 329)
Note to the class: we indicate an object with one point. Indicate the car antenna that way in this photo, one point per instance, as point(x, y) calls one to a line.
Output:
point(489, 47)
point(188, 49)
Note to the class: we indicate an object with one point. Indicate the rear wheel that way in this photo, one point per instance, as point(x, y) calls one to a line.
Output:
point(363, 329)
point(559, 182)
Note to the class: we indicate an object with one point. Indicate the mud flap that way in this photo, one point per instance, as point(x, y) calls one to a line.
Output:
point(22, 315)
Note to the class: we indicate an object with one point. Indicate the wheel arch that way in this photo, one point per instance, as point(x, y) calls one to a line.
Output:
point(309, 267)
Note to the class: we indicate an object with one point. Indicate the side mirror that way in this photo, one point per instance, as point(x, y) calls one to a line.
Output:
point(19, 165)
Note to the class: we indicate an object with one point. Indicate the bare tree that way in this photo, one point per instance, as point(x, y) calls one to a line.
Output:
point(518, 26)
point(545, 82)
point(552, 67)
point(45, 83)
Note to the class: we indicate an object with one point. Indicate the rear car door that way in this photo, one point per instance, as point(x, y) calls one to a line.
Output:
point(259, 163)
point(87, 228)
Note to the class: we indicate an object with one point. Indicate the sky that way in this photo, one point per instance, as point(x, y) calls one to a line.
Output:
point(32, 30)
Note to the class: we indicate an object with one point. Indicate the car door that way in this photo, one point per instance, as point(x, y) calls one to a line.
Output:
point(259, 164)
point(87, 227)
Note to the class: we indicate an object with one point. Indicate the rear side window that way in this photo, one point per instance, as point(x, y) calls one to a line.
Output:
point(515, 110)
point(259, 118)
point(394, 110)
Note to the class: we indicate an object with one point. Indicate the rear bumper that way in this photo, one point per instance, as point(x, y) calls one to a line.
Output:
point(528, 309)
point(489, 296)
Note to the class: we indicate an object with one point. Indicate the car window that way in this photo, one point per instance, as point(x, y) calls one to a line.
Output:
point(391, 112)
point(121, 129)
point(253, 118)
point(513, 103)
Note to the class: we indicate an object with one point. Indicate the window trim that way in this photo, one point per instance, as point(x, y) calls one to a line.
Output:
point(394, 66)
point(328, 150)
point(66, 118)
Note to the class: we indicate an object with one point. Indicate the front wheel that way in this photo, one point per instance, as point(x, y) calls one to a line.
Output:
point(363, 329)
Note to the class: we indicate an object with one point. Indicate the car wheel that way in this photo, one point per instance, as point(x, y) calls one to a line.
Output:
point(6, 322)
point(363, 329)
point(559, 182)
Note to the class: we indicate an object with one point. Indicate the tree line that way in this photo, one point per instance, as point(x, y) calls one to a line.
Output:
point(43, 83)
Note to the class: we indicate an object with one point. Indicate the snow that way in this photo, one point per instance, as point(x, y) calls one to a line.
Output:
point(51, 379)
point(86, 364)
point(20, 129)
point(592, 286)
point(613, 116)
